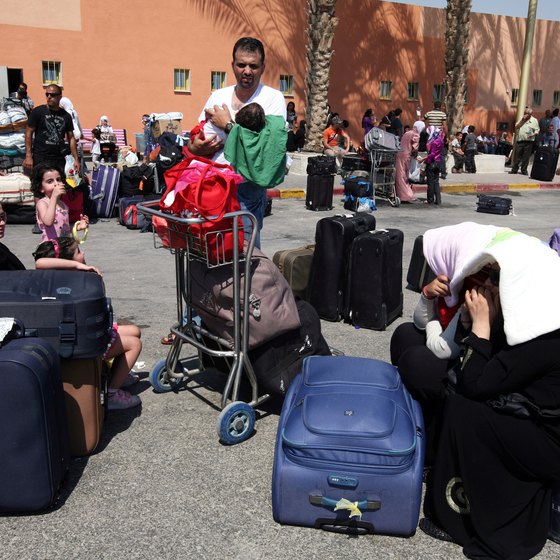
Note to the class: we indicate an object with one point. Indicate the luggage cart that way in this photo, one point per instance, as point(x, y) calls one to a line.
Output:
point(382, 173)
point(237, 418)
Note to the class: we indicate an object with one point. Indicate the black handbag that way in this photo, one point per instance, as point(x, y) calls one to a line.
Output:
point(494, 205)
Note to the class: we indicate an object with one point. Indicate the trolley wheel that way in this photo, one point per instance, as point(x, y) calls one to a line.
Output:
point(158, 379)
point(396, 201)
point(236, 422)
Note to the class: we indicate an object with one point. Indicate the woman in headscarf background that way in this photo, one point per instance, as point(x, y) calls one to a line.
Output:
point(409, 150)
point(108, 145)
point(68, 106)
point(432, 160)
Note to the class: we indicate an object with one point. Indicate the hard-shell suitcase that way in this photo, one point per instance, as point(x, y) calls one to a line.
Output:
point(419, 272)
point(374, 297)
point(321, 165)
point(350, 431)
point(104, 189)
point(333, 237)
point(295, 266)
point(378, 138)
point(488, 204)
point(354, 162)
point(67, 307)
point(34, 455)
point(21, 213)
point(544, 163)
point(319, 194)
point(84, 395)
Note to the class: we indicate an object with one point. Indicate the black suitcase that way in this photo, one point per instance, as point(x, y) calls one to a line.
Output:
point(34, 450)
point(66, 307)
point(373, 293)
point(488, 204)
point(321, 165)
point(20, 213)
point(278, 361)
point(333, 237)
point(419, 273)
point(544, 163)
point(354, 162)
point(319, 195)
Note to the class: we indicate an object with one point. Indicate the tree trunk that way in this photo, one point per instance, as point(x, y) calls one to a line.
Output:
point(456, 61)
point(320, 34)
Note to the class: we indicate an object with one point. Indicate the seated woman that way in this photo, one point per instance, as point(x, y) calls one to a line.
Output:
point(107, 139)
point(499, 450)
point(426, 349)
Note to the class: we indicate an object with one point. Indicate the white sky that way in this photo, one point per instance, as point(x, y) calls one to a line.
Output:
point(546, 9)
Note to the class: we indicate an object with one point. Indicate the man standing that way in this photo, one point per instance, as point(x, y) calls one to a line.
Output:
point(335, 141)
point(436, 117)
point(47, 128)
point(527, 129)
point(21, 96)
point(248, 64)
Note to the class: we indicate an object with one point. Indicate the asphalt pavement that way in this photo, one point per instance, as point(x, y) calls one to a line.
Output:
point(161, 485)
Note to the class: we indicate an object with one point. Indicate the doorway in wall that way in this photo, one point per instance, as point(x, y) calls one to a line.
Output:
point(15, 77)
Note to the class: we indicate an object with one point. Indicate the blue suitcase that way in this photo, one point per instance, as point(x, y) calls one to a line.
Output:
point(34, 448)
point(104, 189)
point(349, 430)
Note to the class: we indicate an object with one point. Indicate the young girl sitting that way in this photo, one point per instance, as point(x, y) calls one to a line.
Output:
point(124, 344)
point(48, 185)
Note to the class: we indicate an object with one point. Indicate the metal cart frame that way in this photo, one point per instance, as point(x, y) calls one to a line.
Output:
point(382, 175)
point(236, 420)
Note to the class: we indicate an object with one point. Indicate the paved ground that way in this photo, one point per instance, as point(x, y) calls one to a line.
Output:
point(161, 485)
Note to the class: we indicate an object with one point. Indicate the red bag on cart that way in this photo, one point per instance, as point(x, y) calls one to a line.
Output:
point(200, 188)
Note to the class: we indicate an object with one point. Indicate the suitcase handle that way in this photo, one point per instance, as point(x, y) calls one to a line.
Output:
point(318, 500)
point(346, 526)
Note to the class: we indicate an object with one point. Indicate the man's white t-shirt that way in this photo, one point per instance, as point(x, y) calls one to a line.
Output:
point(270, 99)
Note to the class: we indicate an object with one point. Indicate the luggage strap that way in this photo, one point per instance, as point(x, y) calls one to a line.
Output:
point(67, 330)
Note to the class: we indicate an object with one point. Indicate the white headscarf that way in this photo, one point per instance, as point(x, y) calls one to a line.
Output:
point(419, 126)
point(104, 118)
point(433, 132)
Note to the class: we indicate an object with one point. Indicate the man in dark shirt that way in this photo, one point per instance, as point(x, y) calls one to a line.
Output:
point(47, 128)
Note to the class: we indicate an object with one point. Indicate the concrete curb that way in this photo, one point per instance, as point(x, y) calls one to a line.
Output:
point(448, 188)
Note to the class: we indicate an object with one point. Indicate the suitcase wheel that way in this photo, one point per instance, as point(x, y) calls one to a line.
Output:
point(236, 422)
point(159, 379)
point(396, 201)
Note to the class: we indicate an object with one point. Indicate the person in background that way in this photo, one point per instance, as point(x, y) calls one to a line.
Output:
point(368, 120)
point(549, 138)
point(48, 127)
point(299, 136)
point(148, 141)
point(396, 123)
point(408, 150)
point(470, 150)
point(544, 122)
point(21, 96)
point(527, 129)
point(108, 140)
point(385, 122)
point(335, 141)
point(291, 122)
point(457, 152)
point(436, 117)
point(432, 160)
point(492, 144)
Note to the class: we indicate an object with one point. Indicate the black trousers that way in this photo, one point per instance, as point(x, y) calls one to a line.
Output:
point(432, 178)
point(490, 487)
point(470, 165)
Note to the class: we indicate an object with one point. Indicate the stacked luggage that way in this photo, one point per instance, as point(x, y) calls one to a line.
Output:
point(358, 194)
point(356, 272)
point(320, 182)
point(13, 120)
point(51, 380)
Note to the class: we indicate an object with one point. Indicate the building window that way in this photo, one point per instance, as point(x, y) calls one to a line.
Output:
point(218, 80)
point(438, 92)
point(385, 88)
point(51, 73)
point(537, 97)
point(287, 84)
point(514, 96)
point(413, 91)
point(181, 79)
point(556, 99)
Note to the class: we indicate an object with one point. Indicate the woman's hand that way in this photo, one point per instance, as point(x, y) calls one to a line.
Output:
point(438, 287)
point(483, 306)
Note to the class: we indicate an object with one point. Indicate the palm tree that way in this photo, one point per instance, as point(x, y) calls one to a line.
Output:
point(456, 59)
point(322, 23)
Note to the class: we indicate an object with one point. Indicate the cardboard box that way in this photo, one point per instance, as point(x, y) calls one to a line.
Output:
point(165, 125)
